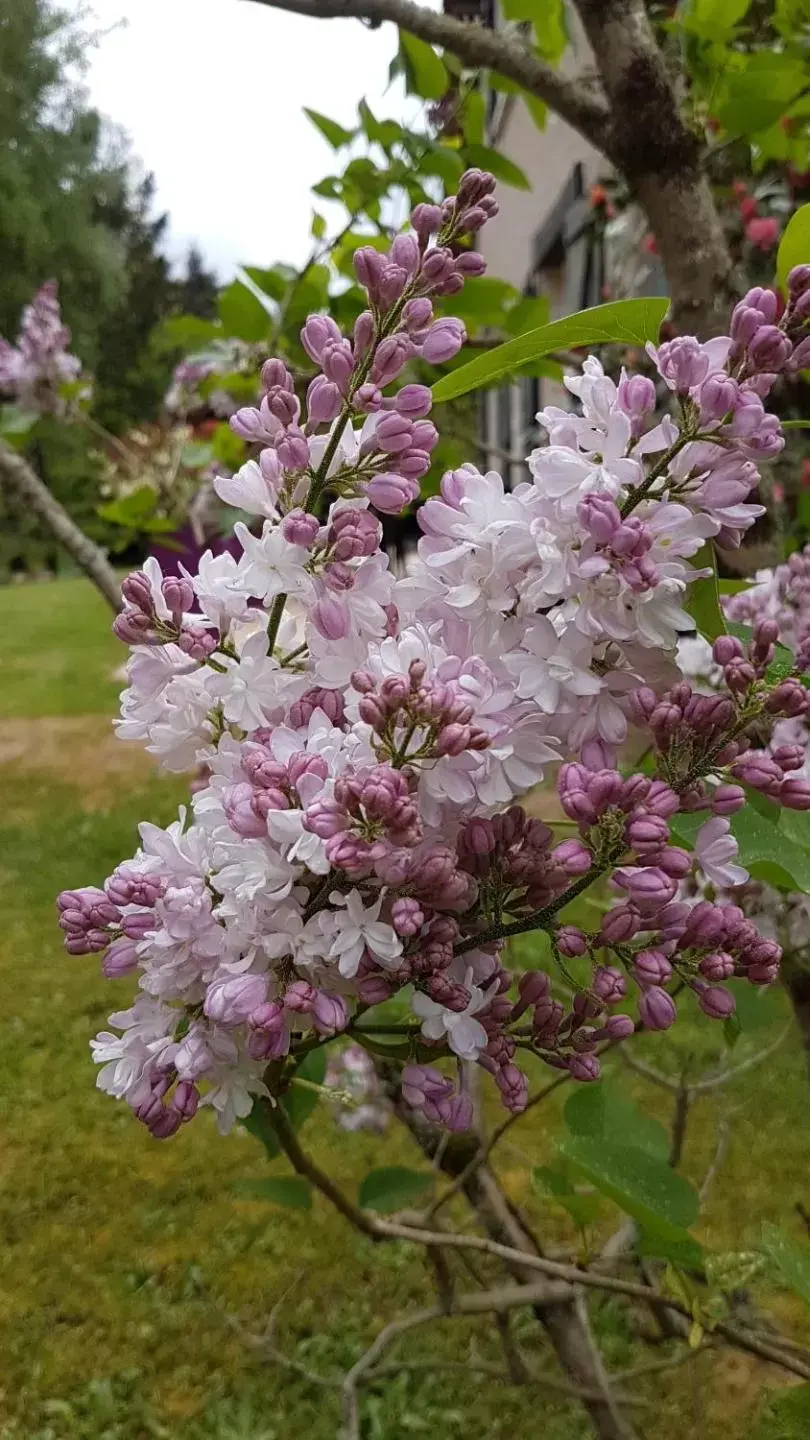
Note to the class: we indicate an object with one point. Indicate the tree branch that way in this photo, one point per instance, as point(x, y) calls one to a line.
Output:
point(477, 46)
point(19, 479)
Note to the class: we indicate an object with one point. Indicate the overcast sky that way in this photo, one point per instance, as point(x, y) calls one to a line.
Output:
point(211, 93)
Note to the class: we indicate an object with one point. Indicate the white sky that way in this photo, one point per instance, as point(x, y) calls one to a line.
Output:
point(211, 93)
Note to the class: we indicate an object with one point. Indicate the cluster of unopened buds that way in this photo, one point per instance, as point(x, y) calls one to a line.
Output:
point(357, 837)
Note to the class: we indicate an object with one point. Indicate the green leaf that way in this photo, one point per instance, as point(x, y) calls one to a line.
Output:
point(186, 332)
point(427, 72)
point(333, 133)
point(660, 1200)
point(785, 1415)
point(712, 20)
point(242, 315)
point(627, 322)
point(131, 510)
point(583, 1209)
point(196, 455)
point(602, 1112)
point(273, 283)
point(732, 1029)
point(474, 118)
point(300, 1101)
point(757, 91)
point(536, 108)
point(794, 249)
point(227, 447)
point(15, 424)
point(392, 1188)
point(769, 853)
point(502, 168)
point(445, 163)
point(704, 595)
point(529, 314)
point(792, 1262)
point(258, 1124)
point(291, 1191)
point(317, 227)
point(550, 29)
point(796, 424)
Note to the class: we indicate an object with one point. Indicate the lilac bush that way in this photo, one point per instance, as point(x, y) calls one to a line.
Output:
point(33, 371)
point(366, 739)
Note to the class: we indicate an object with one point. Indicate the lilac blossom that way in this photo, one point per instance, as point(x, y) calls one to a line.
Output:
point(367, 739)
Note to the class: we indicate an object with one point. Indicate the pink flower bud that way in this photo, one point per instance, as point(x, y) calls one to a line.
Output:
point(656, 1009)
point(584, 1067)
point(300, 528)
point(444, 339)
point(716, 1002)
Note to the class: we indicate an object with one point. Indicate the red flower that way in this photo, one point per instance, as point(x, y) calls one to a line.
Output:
point(748, 208)
point(762, 232)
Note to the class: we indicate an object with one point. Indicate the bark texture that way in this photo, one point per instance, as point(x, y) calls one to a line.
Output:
point(19, 479)
point(650, 143)
point(633, 117)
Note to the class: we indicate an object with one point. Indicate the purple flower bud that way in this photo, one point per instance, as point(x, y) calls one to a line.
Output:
point(769, 350)
point(636, 395)
point(470, 263)
point(457, 1113)
point(134, 628)
point(717, 966)
point(390, 358)
point(716, 1002)
point(185, 1100)
point(330, 618)
point(647, 833)
point(620, 923)
point(299, 528)
point(682, 363)
point(619, 1027)
point(608, 984)
point(318, 331)
point(120, 959)
point(573, 857)
point(652, 967)
point(230, 1001)
point(584, 1067)
point(413, 401)
point(661, 799)
point(363, 335)
point(600, 516)
point(330, 1013)
point(656, 1009)
point(533, 986)
point(648, 888)
point(276, 376)
point(444, 339)
point(426, 220)
point(795, 794)
point(137, 592)
point(727, 648)
point(718, 395)
point(178, 594)
point(727, 799)
point(390, 493)
point(292, 449)
point(323, 401)
point(405, 252)
point(570, 941)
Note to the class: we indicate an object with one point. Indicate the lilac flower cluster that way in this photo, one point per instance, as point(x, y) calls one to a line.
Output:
point(366, 738)
point(33, 370)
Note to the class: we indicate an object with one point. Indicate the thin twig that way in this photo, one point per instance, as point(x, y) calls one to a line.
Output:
point(723, 1137)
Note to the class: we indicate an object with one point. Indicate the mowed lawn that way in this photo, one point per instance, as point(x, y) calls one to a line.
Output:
point(132, 1272)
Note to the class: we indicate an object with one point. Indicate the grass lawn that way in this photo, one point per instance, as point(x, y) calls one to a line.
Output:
point(126, 1264)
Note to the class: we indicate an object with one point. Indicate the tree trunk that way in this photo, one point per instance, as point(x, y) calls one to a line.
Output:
point(18, 478)
point(659, 156)
point(565, 1322)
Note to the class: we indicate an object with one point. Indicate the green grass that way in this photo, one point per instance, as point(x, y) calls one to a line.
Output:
point(124, 1262)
